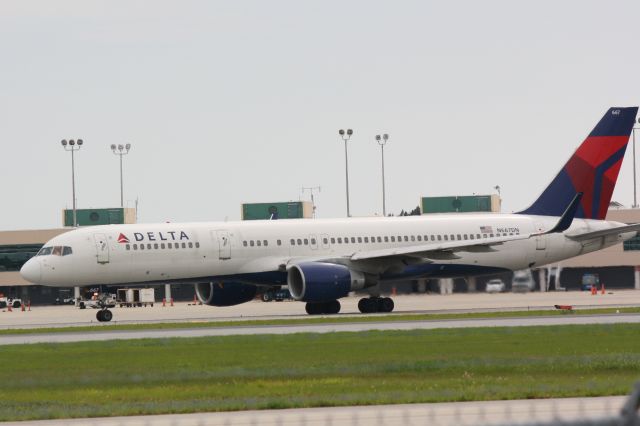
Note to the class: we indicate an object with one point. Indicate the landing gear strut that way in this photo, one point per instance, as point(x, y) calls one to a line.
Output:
point(369, 305)
point(104, 315)
point(317, 308)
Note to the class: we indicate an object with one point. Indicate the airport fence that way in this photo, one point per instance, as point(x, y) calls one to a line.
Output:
point(613, 411)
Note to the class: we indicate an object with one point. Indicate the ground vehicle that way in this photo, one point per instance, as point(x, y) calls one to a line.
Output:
point(495, 286)
point(8, 301)
point(278, 295)
point(98, 302)
point(132, 297)
point(64, 301)
point(522, 281)
point(590, 280)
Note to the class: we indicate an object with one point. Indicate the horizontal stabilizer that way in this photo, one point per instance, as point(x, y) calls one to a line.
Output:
point(605, 232)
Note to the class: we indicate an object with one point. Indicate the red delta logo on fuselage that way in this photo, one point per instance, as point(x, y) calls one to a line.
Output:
point(123, 239)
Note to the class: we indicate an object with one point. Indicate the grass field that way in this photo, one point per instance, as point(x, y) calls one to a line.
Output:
point(268, 371)
point(317, 320)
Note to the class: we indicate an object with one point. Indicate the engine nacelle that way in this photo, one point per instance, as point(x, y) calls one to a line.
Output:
point(225, 293)
point(320, 282)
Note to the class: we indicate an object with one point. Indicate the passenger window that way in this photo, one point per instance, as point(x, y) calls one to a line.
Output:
point(244, 243)
point(393, 239)
point(251, 243)
point(399, 238)
point(141, 246)
point(373, 239)
point(149, 246)
point(325, 241)
point(190, 245)
point(478, 236)
point(155, 245)
point(169, 245)
point(264, 242)
point(162, 246)
point(491, 235)
point(299, 242)
point(359, 239)
point(433, 238)
point(279, 242)
point(184, 245)
point(439, 237)
point(465, 237)
point(339, 240)
point(446, 238)
point(306, 241)
point(293, 242)
point(67, 250)
point(353, 240)
point(413, 238)
point(135, 247)
point(452, 237)
point(386, 239)
point(471, 236)
point(406, 238)
point(258, 243)
point(333, 240)
point(366, 239)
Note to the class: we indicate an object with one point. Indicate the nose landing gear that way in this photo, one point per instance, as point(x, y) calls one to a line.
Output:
point(104, 315)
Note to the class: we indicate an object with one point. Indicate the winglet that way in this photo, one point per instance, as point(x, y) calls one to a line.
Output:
point(567, 217)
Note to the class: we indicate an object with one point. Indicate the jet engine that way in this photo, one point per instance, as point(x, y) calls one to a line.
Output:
point(225, 293)
point(321, 282)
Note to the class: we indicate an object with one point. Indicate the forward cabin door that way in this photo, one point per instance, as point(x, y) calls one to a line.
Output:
point(102, 248)
point(541, 241)
point(224, 244)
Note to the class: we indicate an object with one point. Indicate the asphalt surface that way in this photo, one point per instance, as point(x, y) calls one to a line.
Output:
point(440, 414)
point(65, 316)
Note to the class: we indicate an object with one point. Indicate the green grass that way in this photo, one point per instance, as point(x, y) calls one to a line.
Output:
point(148, 376)
point(315, 320)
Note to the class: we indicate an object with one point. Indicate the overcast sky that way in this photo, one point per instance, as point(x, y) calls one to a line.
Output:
point(241, 101)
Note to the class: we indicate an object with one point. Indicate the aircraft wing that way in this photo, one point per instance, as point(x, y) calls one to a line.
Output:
point(440, 249)
point(634, 227)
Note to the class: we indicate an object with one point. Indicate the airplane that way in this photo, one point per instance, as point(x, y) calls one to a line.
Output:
point(323, 260)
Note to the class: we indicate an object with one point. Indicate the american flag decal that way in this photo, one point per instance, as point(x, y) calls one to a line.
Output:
point(123, 239)
point(486, 229)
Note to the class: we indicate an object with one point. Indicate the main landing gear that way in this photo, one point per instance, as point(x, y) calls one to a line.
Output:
point(317, 308)
point(369, 305)
point(104, 315)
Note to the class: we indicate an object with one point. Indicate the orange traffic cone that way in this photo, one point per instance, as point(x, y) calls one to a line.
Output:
point(394, 291)
point(593, 290)
point(602, 290)
point(9, 307)
point(22, 307)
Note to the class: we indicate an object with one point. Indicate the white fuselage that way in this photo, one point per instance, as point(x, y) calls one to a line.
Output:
point(256, 251)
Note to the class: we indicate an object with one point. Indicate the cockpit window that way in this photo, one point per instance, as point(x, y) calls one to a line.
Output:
point(45, 251)
point(55, 251)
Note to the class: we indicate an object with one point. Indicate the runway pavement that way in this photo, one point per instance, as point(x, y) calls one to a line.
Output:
point(437, 414)
point(51, 316)
point(101, 335)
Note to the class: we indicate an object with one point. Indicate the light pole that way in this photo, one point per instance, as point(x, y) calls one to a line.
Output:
point(345, 137)
point(635, 194)
point(382, 141)
point(73, 146)
point(121, 150)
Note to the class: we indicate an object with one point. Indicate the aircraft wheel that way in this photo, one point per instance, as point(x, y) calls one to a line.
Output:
point(313, 308)
point(99, 316)
point(332, 307)
point(386, 304)
point(368, 305)
point(107, 315)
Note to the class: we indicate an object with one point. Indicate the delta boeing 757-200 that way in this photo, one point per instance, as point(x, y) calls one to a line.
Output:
point(322, 261)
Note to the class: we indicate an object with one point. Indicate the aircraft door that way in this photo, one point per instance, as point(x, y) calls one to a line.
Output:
point(224, 244)
point(541, 240)
point(102, 248)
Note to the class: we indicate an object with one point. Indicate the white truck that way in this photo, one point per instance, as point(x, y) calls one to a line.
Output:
point(15, 303)
point(132, 297)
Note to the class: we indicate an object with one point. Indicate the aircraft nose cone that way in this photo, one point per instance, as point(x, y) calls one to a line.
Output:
point(31, 271)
